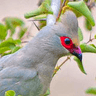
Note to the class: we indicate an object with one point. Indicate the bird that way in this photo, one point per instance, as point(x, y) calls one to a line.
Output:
point(29, 70)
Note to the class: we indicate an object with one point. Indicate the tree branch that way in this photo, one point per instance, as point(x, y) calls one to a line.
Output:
point(61, 7)
point(55, 5)
point(90, 40)
point(58, 67)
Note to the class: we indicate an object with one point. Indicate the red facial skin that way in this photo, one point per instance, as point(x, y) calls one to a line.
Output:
point(71, 47)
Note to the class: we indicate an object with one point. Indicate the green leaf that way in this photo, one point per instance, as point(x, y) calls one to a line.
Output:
point(4, 49)
point(3, 32)
point(15, 49)
point(93, 45)
point(80, 34)
point(91, 90)
point(47, 92)
point(22, 32)
point(48, 2)
point(12, 23)
point(15, 21)
point(87, 48)
point(9, 46)
point(6, 53)
point(8, 43)
point(41, 1)
point(40, 17)
point(95, 36)
point(42, 24)
point(77, 13)
point(88, 25)
point(18, 42)
point(81, 7)
point(10, 93)
point(80, 65)
point(43, 9)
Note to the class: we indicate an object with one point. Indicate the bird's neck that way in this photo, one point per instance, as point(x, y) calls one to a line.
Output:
point(45, 70)
point(48, 63)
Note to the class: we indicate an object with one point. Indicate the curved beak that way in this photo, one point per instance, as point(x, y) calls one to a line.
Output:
point(77, 52)
point(79, 56)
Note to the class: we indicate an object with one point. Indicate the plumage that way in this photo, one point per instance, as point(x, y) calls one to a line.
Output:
point(29, 70)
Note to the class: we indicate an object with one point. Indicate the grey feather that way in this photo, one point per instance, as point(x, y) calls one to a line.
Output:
point(29, 70)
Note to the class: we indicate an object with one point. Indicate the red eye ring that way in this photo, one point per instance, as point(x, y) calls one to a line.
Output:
point(67, 46)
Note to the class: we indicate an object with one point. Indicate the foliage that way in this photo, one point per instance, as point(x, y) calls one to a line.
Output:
point(10, 93)
point(83, 9)
point(80, 65)
point(91, 90)
point(9, 45)
point(80, 34)
point(43, 9)
point(3, 32)
point(47, 92)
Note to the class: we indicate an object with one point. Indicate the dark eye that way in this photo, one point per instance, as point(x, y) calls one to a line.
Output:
point(67, 41)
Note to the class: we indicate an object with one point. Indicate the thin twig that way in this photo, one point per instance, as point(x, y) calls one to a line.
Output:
point(90, 36)
point(38, 20)
point(90, 40)
point(62, 5)
point(58, 67)
point(64, 61)
point(24, 41)
point(36, 26)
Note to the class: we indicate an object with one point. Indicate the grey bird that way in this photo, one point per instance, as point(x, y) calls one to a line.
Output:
point(29, 71)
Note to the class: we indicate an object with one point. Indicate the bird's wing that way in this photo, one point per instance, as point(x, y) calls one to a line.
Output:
point(24, 81)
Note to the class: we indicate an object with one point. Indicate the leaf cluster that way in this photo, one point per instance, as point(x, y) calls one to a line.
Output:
point(8, 44)
point(91, 90)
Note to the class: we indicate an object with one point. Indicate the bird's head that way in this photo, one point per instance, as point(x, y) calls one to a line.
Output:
point(62, 38)
point(67, 33)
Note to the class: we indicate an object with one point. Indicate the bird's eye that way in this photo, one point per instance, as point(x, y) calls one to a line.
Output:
point(67, 41)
